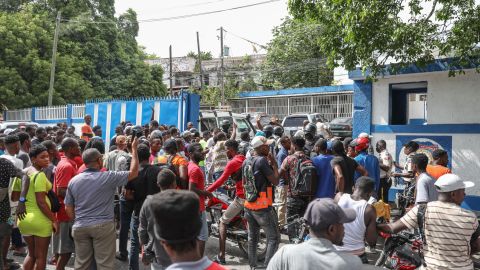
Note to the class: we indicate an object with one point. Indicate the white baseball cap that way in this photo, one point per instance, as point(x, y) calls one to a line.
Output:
point(259, 141)
point(450, 182)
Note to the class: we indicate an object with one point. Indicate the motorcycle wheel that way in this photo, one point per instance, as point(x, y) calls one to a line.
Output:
point(381, 260)
point(261, 247)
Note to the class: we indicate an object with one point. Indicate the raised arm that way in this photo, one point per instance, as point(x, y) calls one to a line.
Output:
point(133, 173)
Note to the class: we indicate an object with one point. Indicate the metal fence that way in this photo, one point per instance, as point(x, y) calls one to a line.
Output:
point(52, 112)
point(19, 115)
point(330, 105)
point(78, 111)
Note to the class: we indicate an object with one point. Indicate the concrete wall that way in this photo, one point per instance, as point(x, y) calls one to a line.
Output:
point(449, 99)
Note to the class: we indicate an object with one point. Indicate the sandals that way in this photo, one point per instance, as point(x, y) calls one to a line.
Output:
point(219, 260)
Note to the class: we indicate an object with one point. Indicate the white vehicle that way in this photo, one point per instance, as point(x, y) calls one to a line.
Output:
point(293, 123)
point(17, 124)
point(209, 120)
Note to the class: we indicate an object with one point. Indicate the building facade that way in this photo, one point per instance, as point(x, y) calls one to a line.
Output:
point(186, 73)
point(425, 105)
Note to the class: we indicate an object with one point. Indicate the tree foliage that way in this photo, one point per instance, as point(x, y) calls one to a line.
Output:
point(98, 55)
point(294, 58)
point(372, 33)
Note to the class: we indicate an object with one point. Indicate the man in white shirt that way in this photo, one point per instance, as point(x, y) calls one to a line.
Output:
point(385, 163)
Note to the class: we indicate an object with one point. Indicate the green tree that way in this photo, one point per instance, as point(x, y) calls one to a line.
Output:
point(371, 33)
point(98, 55)
point(294, 58)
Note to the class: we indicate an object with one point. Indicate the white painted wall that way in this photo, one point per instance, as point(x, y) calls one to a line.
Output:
point(416, 110)
point(466, 155)
point(449, 99)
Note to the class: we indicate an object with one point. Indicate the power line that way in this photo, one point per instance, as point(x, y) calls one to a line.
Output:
point(247, 40)
point(193, 5)
point(180, 16)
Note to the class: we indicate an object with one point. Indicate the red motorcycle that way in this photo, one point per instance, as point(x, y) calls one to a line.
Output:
point(402, 251)
point(237, 228)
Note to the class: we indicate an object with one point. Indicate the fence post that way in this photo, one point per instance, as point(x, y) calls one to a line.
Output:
point(5, 113)
point(33, 114)
point(69, 114)
point(288, 106)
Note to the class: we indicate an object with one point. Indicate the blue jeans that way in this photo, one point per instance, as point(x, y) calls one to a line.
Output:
point(126, 209)
point(267, 220)
point(134, 244)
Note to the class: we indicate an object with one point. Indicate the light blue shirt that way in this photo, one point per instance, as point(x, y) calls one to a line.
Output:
point(371, 164)
point(92, 195)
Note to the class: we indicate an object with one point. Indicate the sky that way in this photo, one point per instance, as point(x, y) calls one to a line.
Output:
point(253, 23)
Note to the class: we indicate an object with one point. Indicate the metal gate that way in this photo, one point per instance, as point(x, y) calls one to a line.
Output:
point(330, 105)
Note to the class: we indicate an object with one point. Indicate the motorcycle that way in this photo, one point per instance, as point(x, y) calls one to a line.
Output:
point(405, 199)
point(402, 251)
point(237, 228)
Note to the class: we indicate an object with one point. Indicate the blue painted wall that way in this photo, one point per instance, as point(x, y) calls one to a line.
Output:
point(362, 107)
point(298, 91)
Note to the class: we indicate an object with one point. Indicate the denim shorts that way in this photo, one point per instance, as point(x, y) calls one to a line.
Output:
point(203, 236)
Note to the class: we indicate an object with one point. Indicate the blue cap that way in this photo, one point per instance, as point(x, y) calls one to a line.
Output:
point(260, 133)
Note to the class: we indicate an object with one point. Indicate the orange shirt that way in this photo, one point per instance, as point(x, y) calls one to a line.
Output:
point(437, 170)
point(177, 161)
point(87, 132)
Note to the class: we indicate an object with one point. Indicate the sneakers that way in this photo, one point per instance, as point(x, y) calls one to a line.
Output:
point(219, 260)
point(121, 257)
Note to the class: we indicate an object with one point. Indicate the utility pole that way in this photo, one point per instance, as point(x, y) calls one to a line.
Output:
point(221, 67)
point(171, 72)
point(200, 62)
point(54, 59)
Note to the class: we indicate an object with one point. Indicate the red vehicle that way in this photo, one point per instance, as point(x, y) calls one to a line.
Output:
point(402, 251)
point(236, 230)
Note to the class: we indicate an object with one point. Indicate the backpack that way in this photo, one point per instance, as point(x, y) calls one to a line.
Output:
point(304, 184)
point(250, 189)
point(169, 165)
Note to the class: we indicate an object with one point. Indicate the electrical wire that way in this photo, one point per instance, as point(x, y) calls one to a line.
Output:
point(247, 40)
point(180, 16)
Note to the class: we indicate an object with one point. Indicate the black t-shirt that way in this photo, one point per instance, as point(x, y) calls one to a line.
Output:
point(261, 169)
point(348, 165)
point(145, 184)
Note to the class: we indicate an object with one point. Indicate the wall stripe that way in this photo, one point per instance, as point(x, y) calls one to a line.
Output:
point(102, 117)
point(429, 128)
point(156, 115)
point(138, 120)
point(131, 112)
point(116, 117)
point(123, 111)
point(147, 107)
point(95, 114)
point(108, 127)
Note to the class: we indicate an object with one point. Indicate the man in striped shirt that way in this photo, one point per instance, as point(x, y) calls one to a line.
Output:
point(451, 233)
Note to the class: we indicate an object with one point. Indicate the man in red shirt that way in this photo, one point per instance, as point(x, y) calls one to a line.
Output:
point(62, 243)
point(196, 181)
point(234, 170)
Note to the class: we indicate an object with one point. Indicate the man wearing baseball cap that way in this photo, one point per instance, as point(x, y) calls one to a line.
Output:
point(451, 233)
point(325, 220)
point(369, 162)
point(260, 173)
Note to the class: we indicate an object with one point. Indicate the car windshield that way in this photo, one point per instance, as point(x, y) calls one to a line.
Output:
point(342, 120)
point(242, 125)
point(294, 121)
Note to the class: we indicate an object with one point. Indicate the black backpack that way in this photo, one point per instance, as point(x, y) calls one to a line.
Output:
point(248, 176)
point(305, 182)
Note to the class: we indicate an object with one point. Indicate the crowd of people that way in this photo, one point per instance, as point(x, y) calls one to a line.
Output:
point(61, 189)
